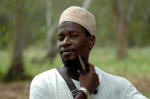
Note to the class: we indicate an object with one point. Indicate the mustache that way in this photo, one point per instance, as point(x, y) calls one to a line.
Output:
point(68, 49)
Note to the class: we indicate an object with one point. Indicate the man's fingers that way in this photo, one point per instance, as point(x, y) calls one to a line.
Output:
point(91, 68)
point(81, 72)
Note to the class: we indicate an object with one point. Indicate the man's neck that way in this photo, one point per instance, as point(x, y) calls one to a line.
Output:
point(73, 71)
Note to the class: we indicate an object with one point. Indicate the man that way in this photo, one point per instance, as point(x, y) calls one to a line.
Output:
point(76, 38)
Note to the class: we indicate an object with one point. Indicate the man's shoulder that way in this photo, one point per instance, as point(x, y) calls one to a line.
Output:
point(42, 84)
point(47, 73)
point(116, 84)
point(44, 77)
point(113, 79)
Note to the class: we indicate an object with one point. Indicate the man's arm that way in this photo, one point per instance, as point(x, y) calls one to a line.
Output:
point(90, 81)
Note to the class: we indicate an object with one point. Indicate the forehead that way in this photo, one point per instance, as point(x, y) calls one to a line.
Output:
point(70, 26)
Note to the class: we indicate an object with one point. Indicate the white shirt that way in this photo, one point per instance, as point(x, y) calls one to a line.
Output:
point(51, 85)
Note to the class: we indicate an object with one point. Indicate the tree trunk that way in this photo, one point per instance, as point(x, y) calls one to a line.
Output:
point(16, 70)
point(121, 40)
point(122, 22)
point(51, 26)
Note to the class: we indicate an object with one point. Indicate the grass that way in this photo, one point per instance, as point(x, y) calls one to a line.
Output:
point(137, 65)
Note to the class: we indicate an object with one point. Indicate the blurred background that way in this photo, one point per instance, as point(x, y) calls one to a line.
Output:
point(28, 36)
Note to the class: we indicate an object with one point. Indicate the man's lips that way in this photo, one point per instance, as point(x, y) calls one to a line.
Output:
point(67, 50)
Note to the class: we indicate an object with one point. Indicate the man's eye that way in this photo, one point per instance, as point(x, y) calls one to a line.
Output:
point(74, 35)
point(61, 38)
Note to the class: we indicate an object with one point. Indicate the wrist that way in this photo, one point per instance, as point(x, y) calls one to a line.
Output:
point(86, 92)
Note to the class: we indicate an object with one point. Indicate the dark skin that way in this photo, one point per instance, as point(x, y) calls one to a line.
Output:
point(72, 40)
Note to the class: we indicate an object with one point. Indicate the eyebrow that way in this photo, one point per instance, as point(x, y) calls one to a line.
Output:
point(70, 31)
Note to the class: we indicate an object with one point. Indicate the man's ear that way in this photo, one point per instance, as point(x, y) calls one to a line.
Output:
point(91, 41)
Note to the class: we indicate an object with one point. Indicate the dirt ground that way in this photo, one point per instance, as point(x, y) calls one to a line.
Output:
point(14, 90)
point(20, 90)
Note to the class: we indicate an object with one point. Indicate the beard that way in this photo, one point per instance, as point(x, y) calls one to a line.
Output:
point(72, 63)
point(72, 67)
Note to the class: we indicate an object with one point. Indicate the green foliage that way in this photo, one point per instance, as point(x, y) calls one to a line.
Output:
point(35, 28)
point(139, 34)
point(5, 34)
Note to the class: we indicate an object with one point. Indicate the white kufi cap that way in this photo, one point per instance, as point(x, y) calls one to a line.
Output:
point(80, 16)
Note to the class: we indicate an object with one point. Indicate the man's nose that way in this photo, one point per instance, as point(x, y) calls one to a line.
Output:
point(66, 42)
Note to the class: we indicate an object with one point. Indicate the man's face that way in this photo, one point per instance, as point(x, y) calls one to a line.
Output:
point(72, 41)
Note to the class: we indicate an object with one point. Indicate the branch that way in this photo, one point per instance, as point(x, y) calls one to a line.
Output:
point(86, 4)
point(50, 34)
point(130, 10)
point(147, 13)
point(48, 13)
point(120, 7)
point(115, 11)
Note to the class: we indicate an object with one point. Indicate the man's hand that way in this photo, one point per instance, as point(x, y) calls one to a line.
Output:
point(89, 80)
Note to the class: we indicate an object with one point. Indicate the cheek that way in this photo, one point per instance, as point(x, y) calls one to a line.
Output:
point(83, 47)
point(58, 46)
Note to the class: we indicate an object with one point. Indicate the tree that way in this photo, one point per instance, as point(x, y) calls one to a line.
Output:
point(122, 22)
point(16, 70)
